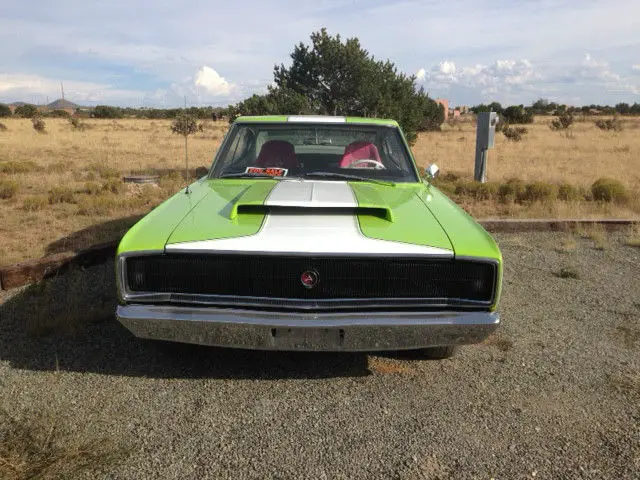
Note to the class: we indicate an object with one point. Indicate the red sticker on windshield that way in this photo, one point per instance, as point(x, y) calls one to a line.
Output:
point(271, 171)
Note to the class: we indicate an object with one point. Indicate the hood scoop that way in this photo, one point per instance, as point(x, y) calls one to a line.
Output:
point(304, 196)
point(379, 212)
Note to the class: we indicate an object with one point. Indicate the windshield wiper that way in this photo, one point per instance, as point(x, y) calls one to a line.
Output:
point(249, 175)
point(346, 176)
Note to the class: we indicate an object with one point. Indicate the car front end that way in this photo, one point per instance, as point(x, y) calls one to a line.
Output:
point(308, 260)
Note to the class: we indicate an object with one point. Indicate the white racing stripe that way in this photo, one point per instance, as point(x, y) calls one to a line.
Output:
point(310, 233)
point(296, 193)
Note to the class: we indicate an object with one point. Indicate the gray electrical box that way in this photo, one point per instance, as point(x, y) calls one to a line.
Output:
point(485, 137)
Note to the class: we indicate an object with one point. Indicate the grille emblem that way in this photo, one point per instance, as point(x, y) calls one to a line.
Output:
point(309, 278)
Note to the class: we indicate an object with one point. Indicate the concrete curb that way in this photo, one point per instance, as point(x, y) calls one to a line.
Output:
point(32, 271)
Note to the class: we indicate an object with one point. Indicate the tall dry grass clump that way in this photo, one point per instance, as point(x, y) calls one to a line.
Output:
point(33, 447)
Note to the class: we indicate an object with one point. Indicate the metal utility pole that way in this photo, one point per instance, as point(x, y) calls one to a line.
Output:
point(485, 135)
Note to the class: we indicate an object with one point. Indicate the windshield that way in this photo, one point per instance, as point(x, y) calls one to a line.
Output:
point(319, 151)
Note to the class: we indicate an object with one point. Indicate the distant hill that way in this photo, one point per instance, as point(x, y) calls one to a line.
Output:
point(60, 104)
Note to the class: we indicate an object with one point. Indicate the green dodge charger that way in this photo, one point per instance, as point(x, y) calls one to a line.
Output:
point(311, 233)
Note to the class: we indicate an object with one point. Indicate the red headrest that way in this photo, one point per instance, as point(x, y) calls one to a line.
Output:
point(359, 150)
point(277, 153)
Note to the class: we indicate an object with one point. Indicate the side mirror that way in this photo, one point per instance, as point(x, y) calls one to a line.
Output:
point(432, 171)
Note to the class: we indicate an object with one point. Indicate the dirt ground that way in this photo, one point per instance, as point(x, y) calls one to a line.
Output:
point(555, 393)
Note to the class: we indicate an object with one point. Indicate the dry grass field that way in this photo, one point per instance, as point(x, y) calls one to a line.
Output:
point(62, 190)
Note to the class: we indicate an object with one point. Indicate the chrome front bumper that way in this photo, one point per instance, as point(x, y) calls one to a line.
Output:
point(368, 331)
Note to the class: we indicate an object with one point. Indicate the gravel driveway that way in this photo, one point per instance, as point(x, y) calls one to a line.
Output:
point(554, 394)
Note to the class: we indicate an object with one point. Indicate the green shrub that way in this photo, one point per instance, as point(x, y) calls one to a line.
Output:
point(568, 192)
point(515, 134)
point(5, 111)
point(59, 113)
point(38, 124)
point(563, 122)
point(26, 111)
point(32, 204)
point(511, 191)
point(539, 192)
point(611, 125)
point(8, 189)
point(113, 185)
point(13, 167)
point(609, 190)
point(106, 111)
point(61, 195)
point(517, 114)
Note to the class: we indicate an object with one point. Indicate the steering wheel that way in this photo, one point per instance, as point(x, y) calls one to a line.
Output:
point(378, 165)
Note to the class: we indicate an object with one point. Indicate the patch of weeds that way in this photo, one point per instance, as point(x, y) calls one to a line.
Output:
point(501, 343)
point(609, 190)
point(59, 167)
point(98, 206)
point(33, 204)
point(599, 236)
point(569, 193)
point(477, 190)
point(92, 188)
point(77, 124)
point(113, 185)
point(105, 171)
point(511, 191)
point(633, 237)
point(13, 167)
point(33, 447)
point(61, 195)
point(171, 182)
point(568, 244)
point(567, 272)
point(539, 192)
point(8, 189)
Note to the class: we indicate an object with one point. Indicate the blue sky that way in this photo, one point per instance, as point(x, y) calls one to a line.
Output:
point(215, 53)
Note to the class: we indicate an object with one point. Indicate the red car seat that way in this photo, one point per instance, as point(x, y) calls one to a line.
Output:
point(359, 150)
point(277, 153)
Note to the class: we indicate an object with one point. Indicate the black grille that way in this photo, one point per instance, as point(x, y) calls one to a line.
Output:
point(279, 277)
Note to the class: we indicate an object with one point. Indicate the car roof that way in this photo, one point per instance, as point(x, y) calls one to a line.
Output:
point(314, 119)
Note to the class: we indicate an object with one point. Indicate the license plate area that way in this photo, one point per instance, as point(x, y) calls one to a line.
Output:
point(307, 338)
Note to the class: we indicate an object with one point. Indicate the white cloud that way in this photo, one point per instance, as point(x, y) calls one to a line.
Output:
point(501, 76)
point(420, 74)
point(448, 68)
point(636, 67)
point(598, 72)
point(212, 82)
point(37, 89)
